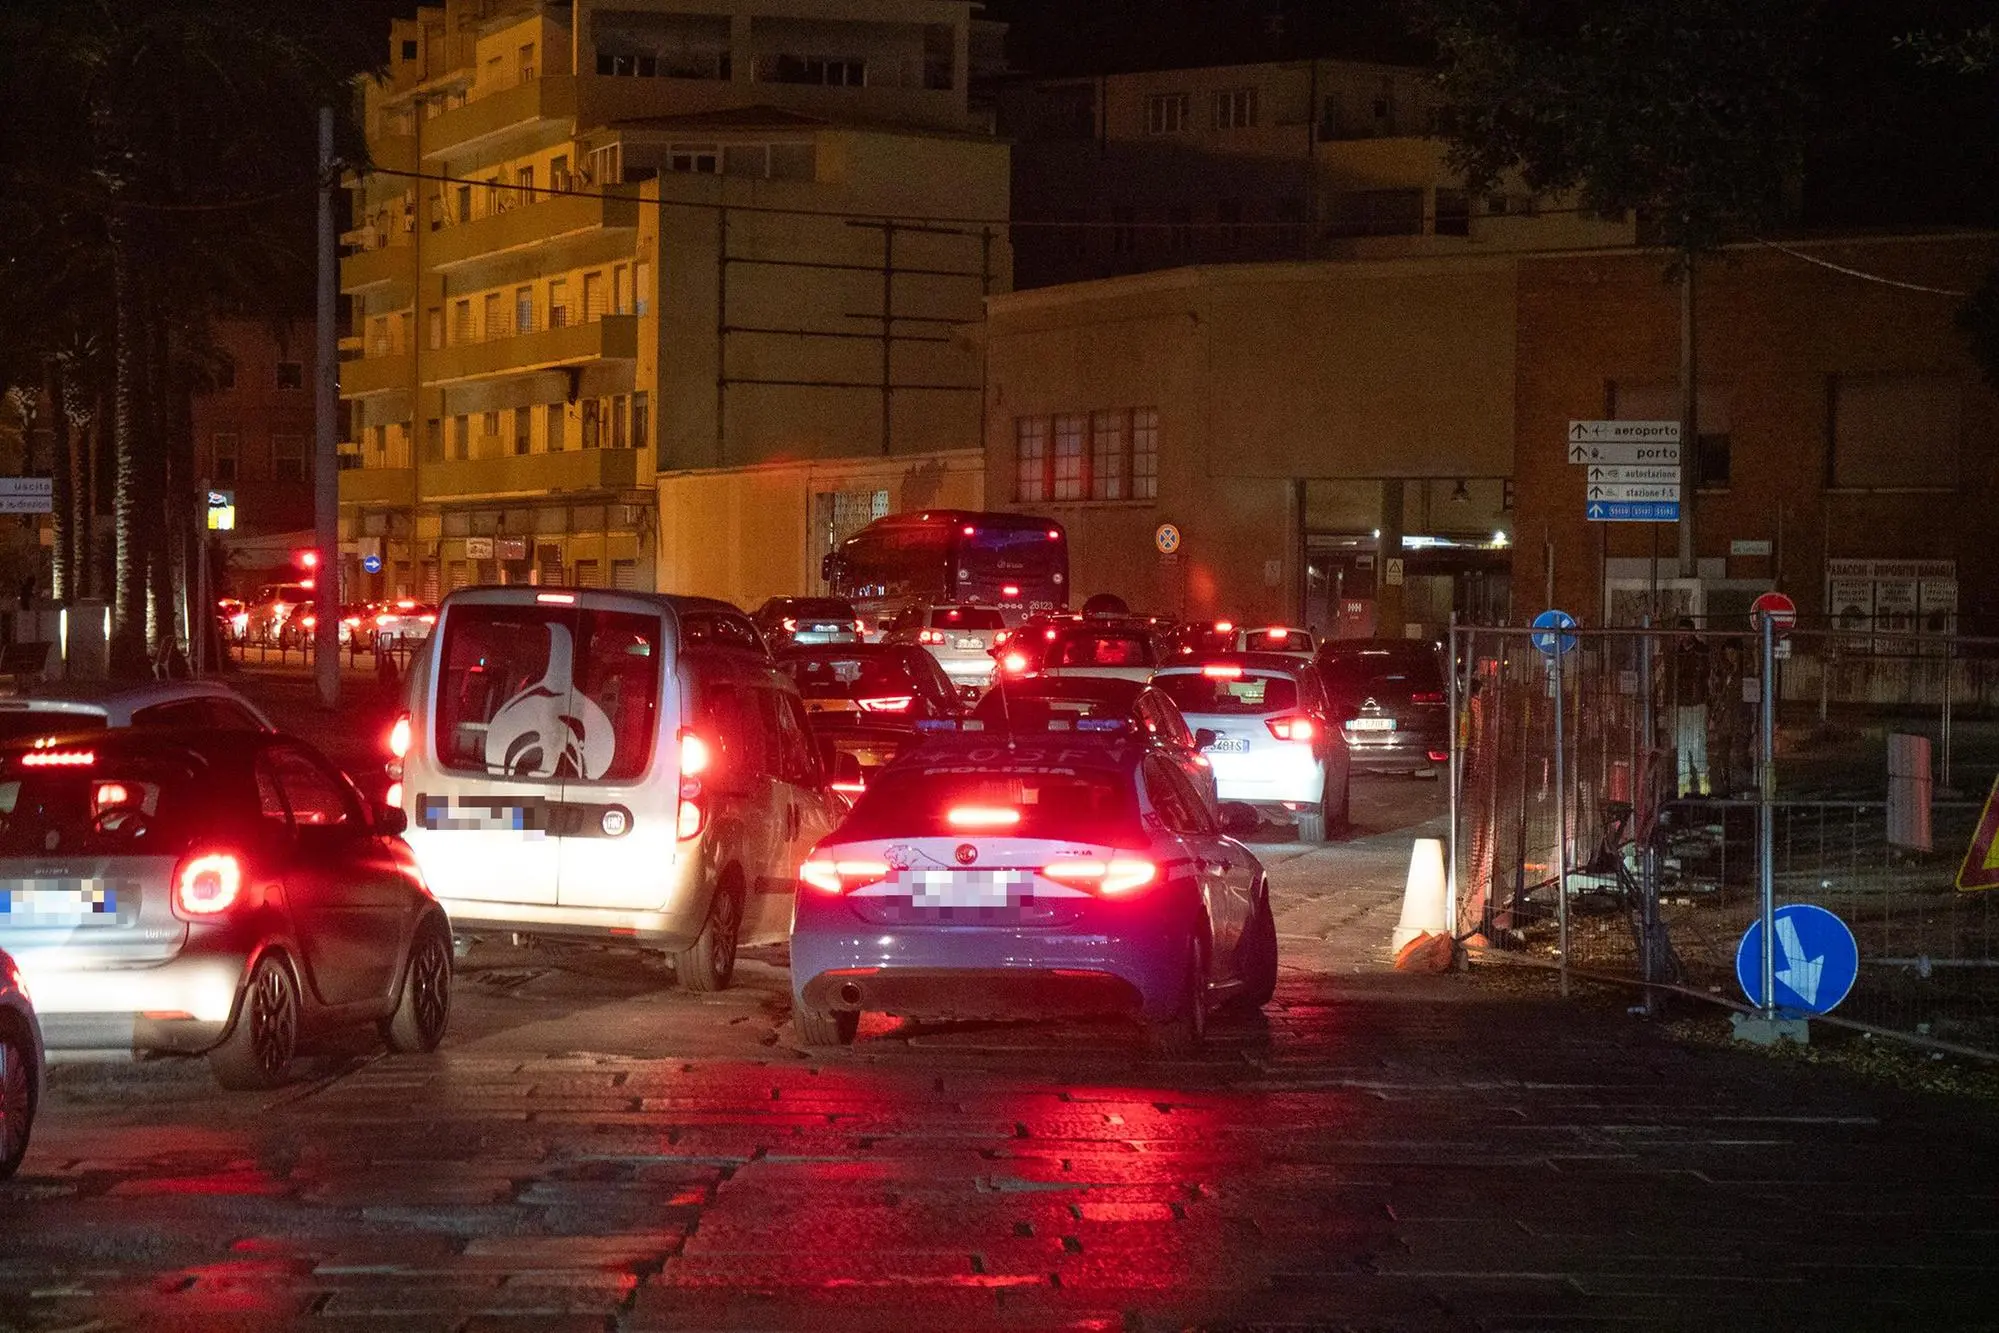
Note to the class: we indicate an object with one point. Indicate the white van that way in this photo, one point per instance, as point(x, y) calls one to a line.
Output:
point(624, 767)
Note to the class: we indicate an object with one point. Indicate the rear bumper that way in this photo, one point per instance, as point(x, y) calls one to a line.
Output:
point(180, 1006)
point(1004, 992)
point(1399, 752)
point(1268, 777)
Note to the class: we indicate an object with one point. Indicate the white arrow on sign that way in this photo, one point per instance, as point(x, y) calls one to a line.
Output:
point(1657, 476)
point(1623, 492)
point(1624, 432)
point(1629, 453)
point(1801, 974)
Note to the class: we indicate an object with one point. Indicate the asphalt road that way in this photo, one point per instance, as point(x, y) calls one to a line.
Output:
point(593, 1148)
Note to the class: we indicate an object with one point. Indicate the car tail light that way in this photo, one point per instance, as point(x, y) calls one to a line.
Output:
point(695, 758)
point(1054, 535)
point(350, 621)
point(207, 885)
point(1439, 756)
point(556, 598)
point(399, 737)
point(1427, 697)
point(790, 625)
point(59, 759)
point(930, 636)
point(1224, 627)
point(971, 531)
point(311, 621)
point(1112, 878)
point(428, 618)
point(695, 755)
point(999, 638)
point(1010, 590)
point(860, 627)
point(830, 876)
point(393, 797)
point(1014, 662)
point(982, 816)
point(382, 620)
point(898, 703)
point(1293, 728)
point(1222, 672)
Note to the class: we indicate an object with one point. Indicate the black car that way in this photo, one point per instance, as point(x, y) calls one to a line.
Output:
point(218, 893)
point(785, 621)
point(885, 684)
point(1388, 695)
point(1059, 703)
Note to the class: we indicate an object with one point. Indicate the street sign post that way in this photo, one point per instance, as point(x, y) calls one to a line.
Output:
point(27, 495)
point(1817, 960)
point(1633, 469)
point(1551, 633)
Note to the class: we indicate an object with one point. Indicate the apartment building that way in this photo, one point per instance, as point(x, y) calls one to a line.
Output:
point(1313, 159)
point(253, 434)
point(608, 246)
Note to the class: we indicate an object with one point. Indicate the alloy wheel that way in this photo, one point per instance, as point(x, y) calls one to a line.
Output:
point(430, 973)
point(728, 930)
point(274, 1020)
point(16, 1097)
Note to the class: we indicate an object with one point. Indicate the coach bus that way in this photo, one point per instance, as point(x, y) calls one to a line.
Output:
point(1017, 562)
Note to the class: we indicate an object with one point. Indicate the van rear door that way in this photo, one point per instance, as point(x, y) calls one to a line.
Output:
point(485, 779)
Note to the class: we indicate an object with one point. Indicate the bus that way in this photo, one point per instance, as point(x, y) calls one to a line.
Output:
point(1017, 562)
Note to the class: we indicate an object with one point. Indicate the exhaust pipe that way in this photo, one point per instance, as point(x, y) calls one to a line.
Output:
point(850, 995)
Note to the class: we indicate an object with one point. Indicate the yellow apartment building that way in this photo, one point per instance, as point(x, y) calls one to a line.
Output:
point(610, 251)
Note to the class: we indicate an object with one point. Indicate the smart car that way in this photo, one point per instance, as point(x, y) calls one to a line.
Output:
point(992, 876)
point(226, 894)
point(1268, 735)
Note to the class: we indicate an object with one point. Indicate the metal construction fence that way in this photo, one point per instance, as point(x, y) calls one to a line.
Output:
point(1630, 806)
point(286, 651)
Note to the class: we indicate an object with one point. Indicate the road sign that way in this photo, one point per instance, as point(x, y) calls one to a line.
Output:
point(1783, 612)
point(1619, 491)
point(1552, 636)
point(27, 495)
point(1816, 960)
point(371, 564)
point(222, 511)
point(1167, 538)
point(1624, 443)
point(1980, 869)
point(478, 548)
point(1619, 474)
point(1633, 511)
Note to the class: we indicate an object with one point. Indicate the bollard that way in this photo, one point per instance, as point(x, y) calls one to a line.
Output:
point(1426, 907)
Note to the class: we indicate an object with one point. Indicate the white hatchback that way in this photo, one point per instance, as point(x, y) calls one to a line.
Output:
point(1274, 745)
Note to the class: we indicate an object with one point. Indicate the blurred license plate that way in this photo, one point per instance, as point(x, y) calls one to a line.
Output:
point(969, 643)
point(1372, 724)
point(1230, 745)
point(91, 901)
point(969, 888)
point(826, 629)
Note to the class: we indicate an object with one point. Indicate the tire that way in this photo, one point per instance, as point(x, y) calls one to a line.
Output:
point(822, 1029)
point(424, 1010)
point(19, 1093)
point(258, 1052)
point(1184, 1033)
point(709, 964)
point(1339, 818)
point(1256, 957)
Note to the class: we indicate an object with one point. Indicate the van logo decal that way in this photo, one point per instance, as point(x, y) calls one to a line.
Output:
point(966, 853)
point(548, 727)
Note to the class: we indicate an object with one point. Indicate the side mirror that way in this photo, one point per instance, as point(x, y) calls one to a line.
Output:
point(391, 821)
point(1204, 738)
point(1238, 820)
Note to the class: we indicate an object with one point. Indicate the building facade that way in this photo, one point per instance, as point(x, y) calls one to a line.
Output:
point(253, 441)
point(607, 246)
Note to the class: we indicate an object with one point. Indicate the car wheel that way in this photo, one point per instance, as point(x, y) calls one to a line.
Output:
point(1184, 1033)
point(259, 1049)
point(17, 1099)
point(1339, 818)
point(709, 964)
point(1256, 958)
point(822, 1029)
point(425, 1009)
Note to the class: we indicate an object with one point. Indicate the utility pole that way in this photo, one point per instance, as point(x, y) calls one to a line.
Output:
point(325, 466)
point(1690, 436)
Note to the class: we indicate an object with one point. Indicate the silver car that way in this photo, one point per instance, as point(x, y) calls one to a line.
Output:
point(960, 637)
point(62, 709)
point(20, 1066)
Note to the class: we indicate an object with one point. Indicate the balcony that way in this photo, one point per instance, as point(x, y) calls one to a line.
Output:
point(528, 474)
point(371, 268)
point(373, 375)
point(549, 98)
point(612, 338)
point(525, 226)
point(393, 152)
point(377, 485)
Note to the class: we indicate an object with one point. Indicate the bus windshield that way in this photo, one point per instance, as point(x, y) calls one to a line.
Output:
point(1010, 563)
point(1017, 562)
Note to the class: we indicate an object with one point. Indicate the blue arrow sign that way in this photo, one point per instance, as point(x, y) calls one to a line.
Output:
point(1552, 636)
point(1633, 511)
point(372, 563)
point(1816, 960)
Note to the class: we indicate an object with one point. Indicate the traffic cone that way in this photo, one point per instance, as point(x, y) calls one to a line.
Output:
point(1426, 907)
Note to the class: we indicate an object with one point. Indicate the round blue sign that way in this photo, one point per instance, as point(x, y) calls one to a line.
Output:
point(372, 563)
point(1552, 636)
point(1816, 960)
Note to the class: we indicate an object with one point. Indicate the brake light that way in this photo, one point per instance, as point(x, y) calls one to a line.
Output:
point(1427, 697)
point(109, 796)
point(790, 625)
point(428, 618)
point(999, 638)
point(382, 621)
point(893, 704)
point(982, 816)
point(695, 755)
point(1054, 535)
point(350, 621)
point(399, 737)
point(1293, 728)
point(1276, 632)
point(59, 759)
point(930, 636)
point(1010, 590)
point(207, 884)
point(830, 876)
point(971, 531)
point(1222, 672)
point(860, 628)
point(393, 797)
point(687, 824)
point(405, 604)
point(1014, 662)
point(310, 621)
point(557, 598)
point(1224, 627)
point(1439, 756)
point(1107, 878)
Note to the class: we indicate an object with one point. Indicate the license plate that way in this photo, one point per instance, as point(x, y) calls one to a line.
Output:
point(1230, 745)
point(825, 629)
point(93, 902)
point(969, 644)
point(1372, 724)
point(969, 888)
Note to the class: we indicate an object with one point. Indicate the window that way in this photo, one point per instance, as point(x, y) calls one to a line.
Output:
point(1896, 432)
point(496, 316)
point(1031, 460)
point(641, 421)
point(228, 446)
point(618, 421)
point(523, 310)
point(461, 322)
point(524, 60)
point(642, 282)
point(312, 796)
point(288, 457)
point(409, 49)
point(621, 289)
point(436, 328)
point(464, 199)
point(557, 422)
point(489, 432)
point(1144, 453)
point(1166, 113)
point(1068, 470)
point(1235, 108)
point(1661, 402)
point(558, 172)
point(558, 303)
point(1453, 213)
point(1107, 460)
point(702, 159)
point(793, 162)
point(590, 411)
point(524, 178)
point(1175, 800)
point(461, 437)
point(593, 297)
point(291, 374)
point(833, 72)
point(433, 440)
point(1180, 235)
point(523, 430)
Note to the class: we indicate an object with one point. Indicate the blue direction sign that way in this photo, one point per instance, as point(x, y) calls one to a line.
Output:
point(1552, 635)
point(1816, 960)
point(372, 563)
point(1634, 511)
